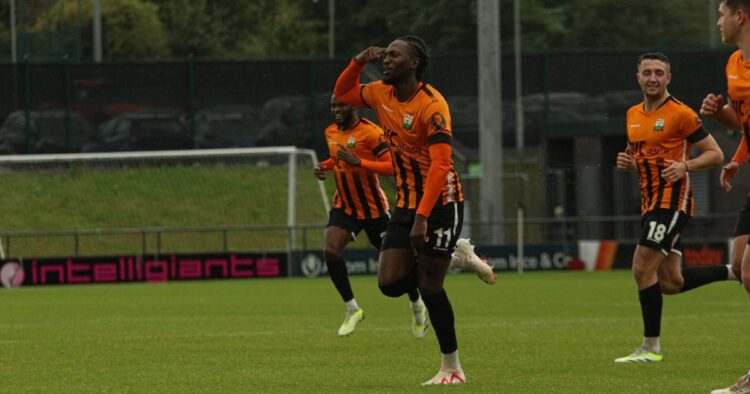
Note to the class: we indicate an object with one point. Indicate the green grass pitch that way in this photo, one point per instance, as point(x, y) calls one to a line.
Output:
point(173, 197)
point(530, 333)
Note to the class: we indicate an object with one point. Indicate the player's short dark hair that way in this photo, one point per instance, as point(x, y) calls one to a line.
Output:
point(733, 5)
point(420, 50)
point(653, 56)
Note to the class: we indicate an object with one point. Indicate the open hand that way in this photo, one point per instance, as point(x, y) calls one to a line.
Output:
point(727, 174)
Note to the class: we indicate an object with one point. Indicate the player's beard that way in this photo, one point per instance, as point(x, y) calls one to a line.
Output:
point(346, 120)
point(391, 79)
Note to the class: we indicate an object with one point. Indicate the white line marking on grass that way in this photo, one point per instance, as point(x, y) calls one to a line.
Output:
point(404, 328)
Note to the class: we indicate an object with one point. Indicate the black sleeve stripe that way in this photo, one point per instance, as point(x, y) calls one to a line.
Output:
point(380, 149)
point(697, 135)
point(362, 87)
point(440, 138)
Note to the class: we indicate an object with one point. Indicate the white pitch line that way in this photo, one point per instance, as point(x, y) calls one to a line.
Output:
point(404, 328)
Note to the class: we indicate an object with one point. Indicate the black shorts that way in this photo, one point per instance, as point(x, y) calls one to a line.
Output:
point(443, 229)
point(374, 228)
point(661, 230)
point(742, 227)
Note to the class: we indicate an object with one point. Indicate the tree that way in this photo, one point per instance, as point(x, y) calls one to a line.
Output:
point(131, 29)
point(448, 27)
point(544, 24)
point(194, 26)
point(277, 29)
point(228, 29)
point(638, 23)
point(283, 29)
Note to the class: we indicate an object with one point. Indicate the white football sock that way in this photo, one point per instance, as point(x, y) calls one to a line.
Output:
point(455, 262)
point(652, 344)
point(416, 306)
point(351, 305)
point(450, 361)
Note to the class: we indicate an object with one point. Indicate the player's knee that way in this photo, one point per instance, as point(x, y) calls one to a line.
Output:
point(332, 255)
point(641, 273)
point(670, 283)
point(670, 287)
point(394, 289)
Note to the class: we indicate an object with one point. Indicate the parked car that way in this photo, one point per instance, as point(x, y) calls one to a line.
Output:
point(46, 132)
point(295, 120)
point(143, 130)
point(227, 127)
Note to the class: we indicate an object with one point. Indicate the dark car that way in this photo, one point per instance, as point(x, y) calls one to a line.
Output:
point(143, 130)
point(227, 127)
point(295, 120)
point(47, 132)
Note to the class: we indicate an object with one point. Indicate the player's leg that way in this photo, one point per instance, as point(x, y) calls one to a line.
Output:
point(653, 248)
point(669, 274)
point(397, 273)
point(743, 383)
point(673, 279)
point(464, 257)
point(745, 268)
point(739, 244)
point(336, 239)
point(741, 260)
point(376, 230)
point(741, 238)
point(443, 227)
point(338, 233)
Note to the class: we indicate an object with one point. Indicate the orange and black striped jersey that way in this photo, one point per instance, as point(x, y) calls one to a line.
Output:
point(738, 84)
point(656, 139)
point(358, 191)
point(410, 128)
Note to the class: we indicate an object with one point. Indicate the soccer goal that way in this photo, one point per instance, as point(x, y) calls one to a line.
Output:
point(247, 199)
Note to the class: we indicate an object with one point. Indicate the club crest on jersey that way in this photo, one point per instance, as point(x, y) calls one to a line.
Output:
point(408, 119)
point(350, 142)
point(659, 125)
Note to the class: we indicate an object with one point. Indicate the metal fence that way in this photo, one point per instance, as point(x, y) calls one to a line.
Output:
point(158, 241)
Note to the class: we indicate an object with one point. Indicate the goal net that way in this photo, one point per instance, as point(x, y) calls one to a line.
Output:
point(91, 204)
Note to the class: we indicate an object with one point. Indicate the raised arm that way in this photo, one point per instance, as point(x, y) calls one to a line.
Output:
point(347, 87)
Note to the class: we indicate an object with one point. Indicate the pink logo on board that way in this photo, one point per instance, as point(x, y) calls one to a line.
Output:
point(11, 275)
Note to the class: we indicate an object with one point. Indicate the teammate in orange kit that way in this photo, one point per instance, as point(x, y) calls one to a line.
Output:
point(734, 24)
point(428, 216)
point(661, 131)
